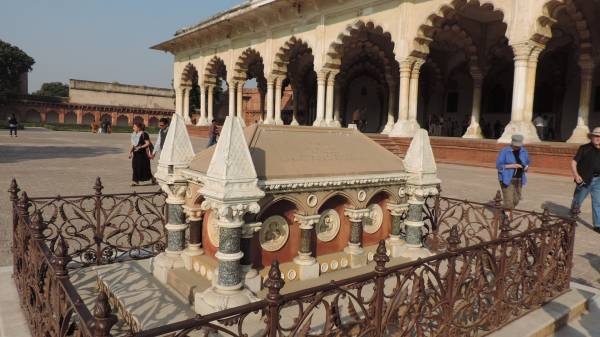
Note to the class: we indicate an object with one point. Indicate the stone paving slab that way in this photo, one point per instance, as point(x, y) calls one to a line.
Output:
point(12, 320)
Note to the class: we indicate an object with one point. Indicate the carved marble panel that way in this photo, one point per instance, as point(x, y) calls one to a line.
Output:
point(328, 226)
point(274, 233)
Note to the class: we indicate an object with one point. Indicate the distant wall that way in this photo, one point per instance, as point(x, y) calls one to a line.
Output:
point(115, 94)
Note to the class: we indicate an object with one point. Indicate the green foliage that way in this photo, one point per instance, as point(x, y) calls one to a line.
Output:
point(53, 89)
point(13, 63)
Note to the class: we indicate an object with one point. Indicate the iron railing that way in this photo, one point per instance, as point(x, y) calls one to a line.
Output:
point(491, 268)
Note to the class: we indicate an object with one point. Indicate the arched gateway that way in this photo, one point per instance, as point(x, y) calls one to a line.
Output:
point(455, 67)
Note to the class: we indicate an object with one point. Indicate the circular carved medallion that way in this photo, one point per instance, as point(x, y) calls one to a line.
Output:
point(373, 223)
point(274, 233)
point(362, 195)
point(213, 229)
point(312, 200)
point(328, 226)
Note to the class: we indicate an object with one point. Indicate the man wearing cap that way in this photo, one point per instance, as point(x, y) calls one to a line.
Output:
point(512, 164)
point(586, 172)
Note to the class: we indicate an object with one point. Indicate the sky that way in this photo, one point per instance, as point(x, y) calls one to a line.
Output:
point(100, 40)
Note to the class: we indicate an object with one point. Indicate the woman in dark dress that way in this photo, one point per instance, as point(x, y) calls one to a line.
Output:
point(140, 161)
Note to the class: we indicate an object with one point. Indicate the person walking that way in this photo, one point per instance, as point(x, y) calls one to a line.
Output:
point(13, 125)
point(213, 134)
point(585, 167)
point(140, 153)
point(512, 165)
point(540, 126)
point(163, 126)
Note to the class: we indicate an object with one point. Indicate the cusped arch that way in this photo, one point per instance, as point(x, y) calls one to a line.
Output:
point(336, 48)
point(551, 10)
point(293, 47)
point(250, 61)
point(215, 69)
point(189, 75)
point(446, 13)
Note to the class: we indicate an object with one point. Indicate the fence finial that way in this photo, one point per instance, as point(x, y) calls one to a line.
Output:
point(505, 226)
point(98, 186)
point(37, 225)
point(381, 257)
point(274, 282)
point(575, 211)
point(61, 256)
point(13, 190)
point(453, 240)
point(498, 199)
point(103, 317)
point(24, 206)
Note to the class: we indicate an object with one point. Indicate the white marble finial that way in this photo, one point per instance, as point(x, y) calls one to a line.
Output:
point(419, 159)
point(177, 151)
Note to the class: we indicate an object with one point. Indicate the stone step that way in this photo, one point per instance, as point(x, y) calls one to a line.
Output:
point(141, 300)
point(548, 319)
point(588, 325)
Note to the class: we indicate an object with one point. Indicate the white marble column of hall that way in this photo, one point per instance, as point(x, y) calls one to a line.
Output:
point(337, 107)
point(178, 101)
point(269, 117)
point(405, 127)
point(295, 100)
point(239, 106)
point(231, 92)
point(474, 129)
point(389, 125)
point(329, 120)
point(203, 120)
point(321, 87)
point(210, 104)
point(581, 131)
point(526, 55)
point(278, 93)
point(186, 105)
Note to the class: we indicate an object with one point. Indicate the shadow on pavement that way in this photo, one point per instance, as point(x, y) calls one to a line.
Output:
point(15, 154)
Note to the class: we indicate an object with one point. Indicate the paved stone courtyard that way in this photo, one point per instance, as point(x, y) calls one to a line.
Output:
point(49, 163)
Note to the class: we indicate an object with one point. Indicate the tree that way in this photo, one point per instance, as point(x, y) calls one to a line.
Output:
point(53, 89)
point(13, 63)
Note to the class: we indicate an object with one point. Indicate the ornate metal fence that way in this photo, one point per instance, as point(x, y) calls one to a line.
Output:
point(492, 269)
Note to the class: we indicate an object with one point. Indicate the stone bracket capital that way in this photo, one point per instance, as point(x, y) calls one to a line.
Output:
point(249, 229)
point(397, 209)
point(175, 192)
point(357, 215)
point(193, 213)
point(307, 221)
point(230, 212)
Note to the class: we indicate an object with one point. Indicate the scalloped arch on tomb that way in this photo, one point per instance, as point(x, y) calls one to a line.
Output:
point(290, 199)
point(331, 196)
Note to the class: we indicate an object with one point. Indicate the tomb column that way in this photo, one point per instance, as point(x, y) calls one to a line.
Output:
point(525, 60)
point(321, 87)
point(186, 105)
point(474, 129)
point(203, 120)
point(175, 231)
point(269, 117)
point(354, 249)
point(194, 248)
point(398, 213)
point(278, 94)
point(329, 119)
point(390, 116)
point(581, 131)
point(210, 104)
point(405, 126)
point(308, 267)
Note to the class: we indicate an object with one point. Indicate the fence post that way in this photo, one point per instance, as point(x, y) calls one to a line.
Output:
point(99, 234)
point(103, 317)
point(274, 283)
point(498, 213)
point(24, 208)
point(453, 243)
point(380, 258)
point(13, 192)
point(61, 257)
point(501, 274)
point(37, 225)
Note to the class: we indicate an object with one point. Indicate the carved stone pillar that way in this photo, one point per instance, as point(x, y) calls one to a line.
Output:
point(231, 92)
point(329, 120)
point(194, 247)
point(389, 125)
point(414, 224)
point(395, 242)
point(240, 103)
point(210, 104)
point(337, 107)
point(525, 58)
point(178, 102)
point(203, 120)
point(252, 279)
point(354, 249)
point(186, 105)
point(321, 83)
point(581, 131)
point(308, 267)
point(474, 129)
point(278, 95)
point(270, 108)
point(175, 227)
point(405, 126)
point(296, 101)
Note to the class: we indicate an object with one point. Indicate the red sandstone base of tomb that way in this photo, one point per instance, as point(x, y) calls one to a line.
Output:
point(548, 157)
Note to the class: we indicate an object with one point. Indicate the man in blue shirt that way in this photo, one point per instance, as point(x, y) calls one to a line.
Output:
point(512, 165)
